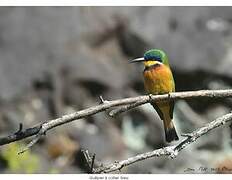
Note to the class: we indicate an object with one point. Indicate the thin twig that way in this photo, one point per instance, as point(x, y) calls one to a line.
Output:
point(46, 126)
point(170, 151)
point(28, 146)
point(125, 108)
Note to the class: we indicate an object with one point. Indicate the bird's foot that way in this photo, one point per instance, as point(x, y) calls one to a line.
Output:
point(169, 96)
point(150, 96)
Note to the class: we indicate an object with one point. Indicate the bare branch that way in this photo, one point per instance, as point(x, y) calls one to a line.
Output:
point(44, 127)
point(20, 135)
point(174, 96)
point(170, 151)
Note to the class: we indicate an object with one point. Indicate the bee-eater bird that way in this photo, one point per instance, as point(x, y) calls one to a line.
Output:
point(158, 79)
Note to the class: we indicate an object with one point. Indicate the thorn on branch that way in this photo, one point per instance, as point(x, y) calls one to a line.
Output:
point(89, 160)
point(102, 101)
point(20, 128)
point(92, 163)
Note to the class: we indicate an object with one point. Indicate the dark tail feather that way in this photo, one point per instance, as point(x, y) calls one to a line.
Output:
point(171, 134)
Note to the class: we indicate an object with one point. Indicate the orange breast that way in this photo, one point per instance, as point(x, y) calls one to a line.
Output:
point(158, 80)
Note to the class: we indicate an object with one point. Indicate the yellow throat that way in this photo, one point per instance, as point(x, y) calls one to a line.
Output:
point(151, 63)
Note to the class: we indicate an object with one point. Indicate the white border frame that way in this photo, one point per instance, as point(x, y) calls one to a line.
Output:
point(115, 3)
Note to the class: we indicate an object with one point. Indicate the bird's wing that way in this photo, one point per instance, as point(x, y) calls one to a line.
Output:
point(171, 108)
point(157, 110)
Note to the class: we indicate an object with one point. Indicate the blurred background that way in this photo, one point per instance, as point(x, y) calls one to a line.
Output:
point(57, 60)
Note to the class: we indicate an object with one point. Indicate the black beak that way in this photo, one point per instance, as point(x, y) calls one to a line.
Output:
point(137, 60)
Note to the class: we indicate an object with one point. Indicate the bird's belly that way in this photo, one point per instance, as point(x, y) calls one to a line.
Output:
point(158, 81)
